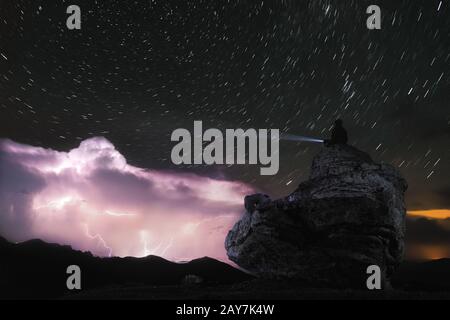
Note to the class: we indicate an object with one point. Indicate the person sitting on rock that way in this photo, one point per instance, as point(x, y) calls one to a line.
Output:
point(338, 134)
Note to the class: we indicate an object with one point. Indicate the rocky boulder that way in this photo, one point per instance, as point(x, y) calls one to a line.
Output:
point(350, 214)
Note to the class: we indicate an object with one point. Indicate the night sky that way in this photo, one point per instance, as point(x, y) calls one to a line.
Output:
point(137, 70)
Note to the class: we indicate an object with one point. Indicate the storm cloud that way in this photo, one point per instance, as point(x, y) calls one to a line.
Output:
point(92, 199)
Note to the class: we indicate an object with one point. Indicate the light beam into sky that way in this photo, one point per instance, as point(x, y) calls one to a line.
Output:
point(293, 137)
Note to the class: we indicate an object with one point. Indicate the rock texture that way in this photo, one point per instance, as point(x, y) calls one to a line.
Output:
point(350, 214)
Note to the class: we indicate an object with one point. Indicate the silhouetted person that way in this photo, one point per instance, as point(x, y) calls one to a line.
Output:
point(338, 134)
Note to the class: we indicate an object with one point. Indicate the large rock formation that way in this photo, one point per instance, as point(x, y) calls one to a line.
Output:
point(350, 214)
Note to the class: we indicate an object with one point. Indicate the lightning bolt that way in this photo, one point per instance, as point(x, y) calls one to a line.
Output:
point(57, 204)
point(99, 238)
point(156, 250)
point(168, 246)
point(118, 214)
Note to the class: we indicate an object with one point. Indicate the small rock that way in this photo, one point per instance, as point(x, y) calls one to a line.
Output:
point(191, 279)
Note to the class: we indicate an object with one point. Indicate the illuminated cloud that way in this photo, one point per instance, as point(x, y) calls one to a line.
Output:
point(93, 200)
point(432, 214)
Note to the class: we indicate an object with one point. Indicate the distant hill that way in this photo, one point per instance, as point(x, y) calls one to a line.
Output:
point(431, 275)
point(36, 269)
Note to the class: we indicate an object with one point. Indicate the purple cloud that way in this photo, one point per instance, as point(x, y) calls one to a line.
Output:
point(93, 200)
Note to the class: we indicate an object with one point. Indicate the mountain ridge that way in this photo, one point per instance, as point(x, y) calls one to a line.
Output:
point(35, 268)
point(122, 278)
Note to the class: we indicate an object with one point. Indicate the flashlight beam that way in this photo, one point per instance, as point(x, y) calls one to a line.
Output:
point(293, 137)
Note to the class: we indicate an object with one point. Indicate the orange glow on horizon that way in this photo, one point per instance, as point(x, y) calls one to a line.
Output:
point(427, 252)
point(433, 214)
